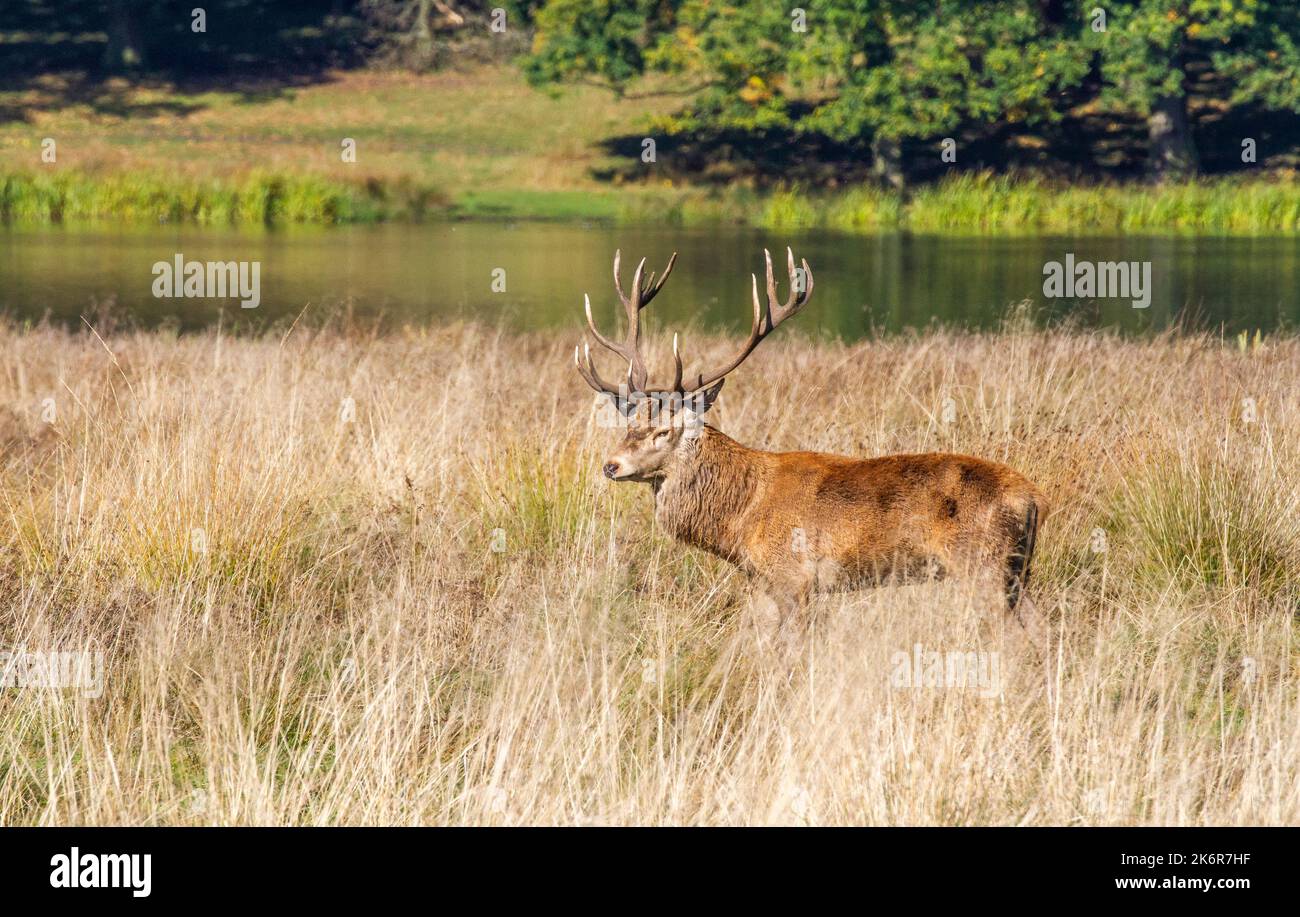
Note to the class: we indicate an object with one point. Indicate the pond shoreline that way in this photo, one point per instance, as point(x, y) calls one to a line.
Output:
point(966, 204)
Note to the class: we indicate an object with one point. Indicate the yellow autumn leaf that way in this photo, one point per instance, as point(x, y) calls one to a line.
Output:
point(755, 91)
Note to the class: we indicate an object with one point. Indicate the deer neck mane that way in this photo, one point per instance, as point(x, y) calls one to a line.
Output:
point(709, 484)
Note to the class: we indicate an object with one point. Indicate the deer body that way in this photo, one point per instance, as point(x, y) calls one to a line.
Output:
point(803, 522)
point(806, 521)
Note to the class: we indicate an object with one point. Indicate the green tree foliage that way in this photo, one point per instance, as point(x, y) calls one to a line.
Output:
point(903, 71)
point(889, 71)
point(1149, 47)
point(913, 70)
point(595, 40)
point(1263, 61)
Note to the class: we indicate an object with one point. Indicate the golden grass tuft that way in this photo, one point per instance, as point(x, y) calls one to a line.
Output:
point(304, 620)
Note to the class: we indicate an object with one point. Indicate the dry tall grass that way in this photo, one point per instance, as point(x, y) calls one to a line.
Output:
point(339, 642)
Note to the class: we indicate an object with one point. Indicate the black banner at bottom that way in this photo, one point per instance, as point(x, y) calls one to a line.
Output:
point(335, 865)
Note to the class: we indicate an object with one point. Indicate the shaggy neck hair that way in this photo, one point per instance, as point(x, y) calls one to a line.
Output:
point(705, 491)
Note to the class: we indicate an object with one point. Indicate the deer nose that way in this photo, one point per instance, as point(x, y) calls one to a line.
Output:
point(611, 470)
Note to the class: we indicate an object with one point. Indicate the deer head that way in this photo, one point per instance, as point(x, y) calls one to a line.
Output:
point(661, 418)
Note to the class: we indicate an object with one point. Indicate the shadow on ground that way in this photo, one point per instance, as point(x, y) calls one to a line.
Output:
point(57, 53)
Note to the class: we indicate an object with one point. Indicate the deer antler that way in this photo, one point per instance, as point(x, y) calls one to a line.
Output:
point(643, 291)
point(764, 322)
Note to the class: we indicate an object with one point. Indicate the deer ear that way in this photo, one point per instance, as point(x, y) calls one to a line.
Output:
point(709, 395)
point(613, 405)
point(624, 404)
point(697, 404)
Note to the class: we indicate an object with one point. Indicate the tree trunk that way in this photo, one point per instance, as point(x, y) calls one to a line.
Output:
point(423, 31)
point(125, 51)
point(887, 162)
point(1171, 152)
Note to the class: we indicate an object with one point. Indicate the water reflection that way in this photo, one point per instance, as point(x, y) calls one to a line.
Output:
point(440, 271)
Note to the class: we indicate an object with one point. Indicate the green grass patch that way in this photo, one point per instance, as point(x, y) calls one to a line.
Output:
point(258, 197)
point(538, 205)
point(966, 204)
point(1001, 205)
point(1203, 522)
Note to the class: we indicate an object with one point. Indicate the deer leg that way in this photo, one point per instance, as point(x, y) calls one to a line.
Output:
point(779, 615)
point(765, 615)
point(1017, 580)
point(1033, 621)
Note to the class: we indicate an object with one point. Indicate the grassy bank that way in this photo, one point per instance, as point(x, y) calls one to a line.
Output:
point(977, 205)
point(480, 144)
point(345, 578)
point(257, 197)
point(983, 204)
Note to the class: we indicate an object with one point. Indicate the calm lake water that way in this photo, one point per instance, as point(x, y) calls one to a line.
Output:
point(443, 271)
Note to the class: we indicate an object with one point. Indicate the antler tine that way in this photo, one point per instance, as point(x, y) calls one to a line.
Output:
point(618, 282)
point(653, 286)
point(643, 290)
point(631, 350)
point(677, 367)
point(795, 300)
point(766, 321)
point(808, 280)
point(636, 283)
point(589, 373)
point(584, 372)
point(604, 341)
point(650, 288)
point(806, 292)
point(772, 302)
point(636, 369)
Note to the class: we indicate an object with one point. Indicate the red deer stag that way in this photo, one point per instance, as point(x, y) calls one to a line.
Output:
point(801, 522)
